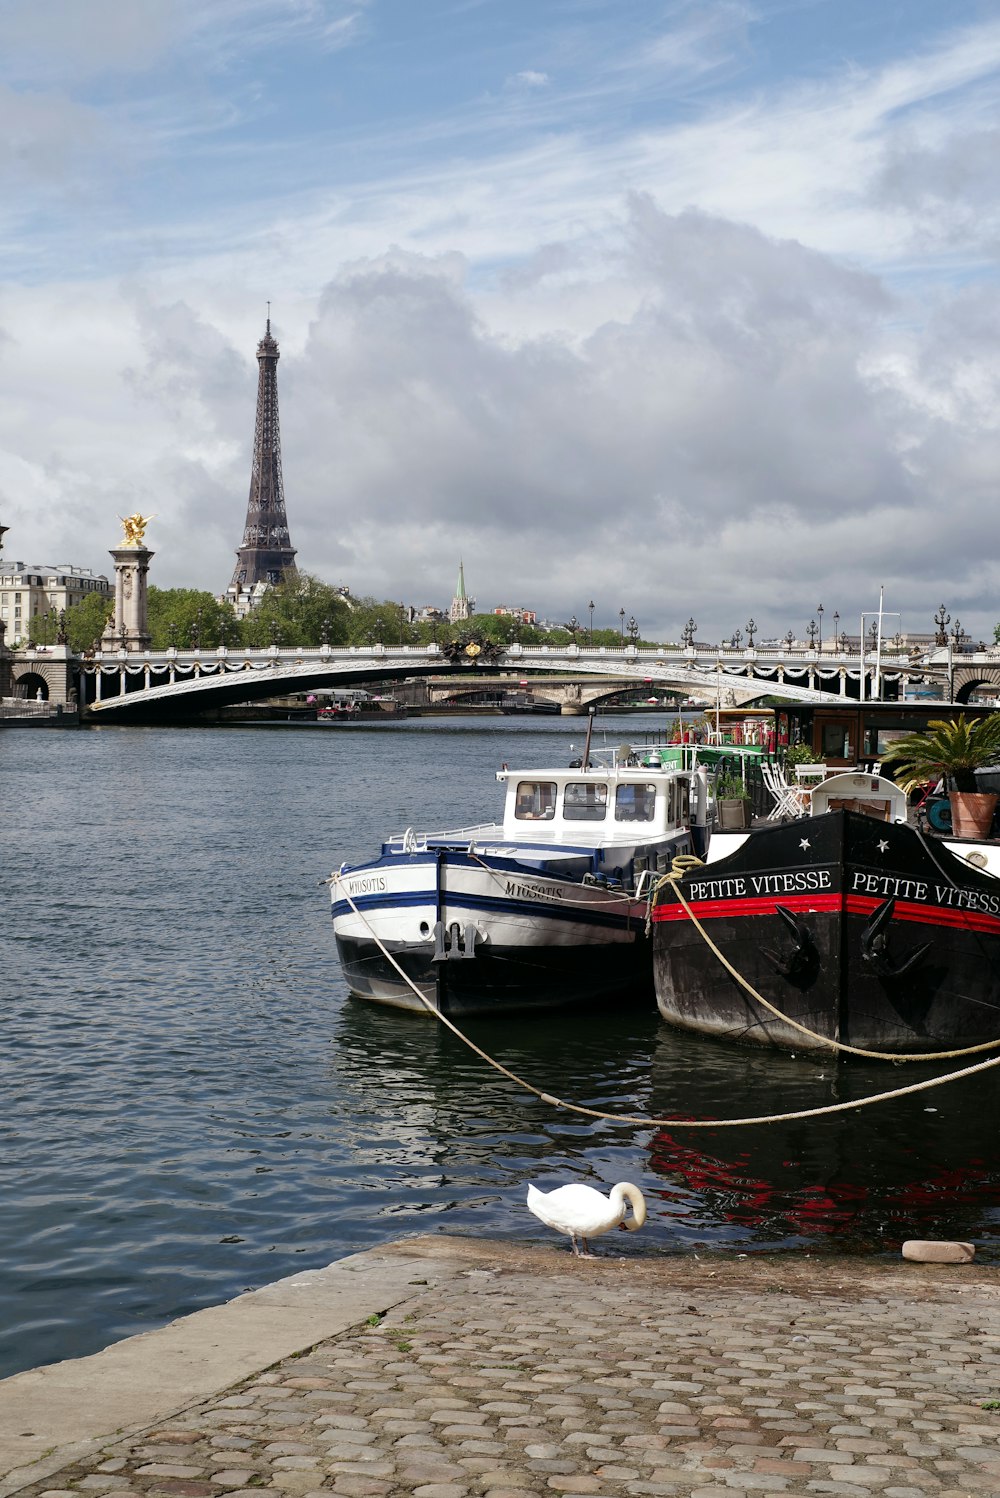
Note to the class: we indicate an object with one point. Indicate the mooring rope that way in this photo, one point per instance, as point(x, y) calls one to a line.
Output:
point(645, 1121)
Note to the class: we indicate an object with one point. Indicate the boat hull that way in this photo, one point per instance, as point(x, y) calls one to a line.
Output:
point(503, 981)
point(862, 931)
point(478, 938)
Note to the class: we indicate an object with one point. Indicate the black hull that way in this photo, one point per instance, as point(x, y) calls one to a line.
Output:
point(502, 981)
point(864, 932)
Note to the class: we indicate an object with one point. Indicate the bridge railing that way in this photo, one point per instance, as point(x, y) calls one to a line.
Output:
point(512, 653)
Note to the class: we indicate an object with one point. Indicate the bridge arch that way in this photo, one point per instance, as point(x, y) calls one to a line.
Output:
point(967, 680)
point(33, 685)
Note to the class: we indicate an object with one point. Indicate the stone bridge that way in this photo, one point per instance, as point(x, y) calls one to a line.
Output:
point(129, 685)
point(150, 686)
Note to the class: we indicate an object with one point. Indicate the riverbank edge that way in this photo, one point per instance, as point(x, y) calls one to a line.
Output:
point(63, 1412)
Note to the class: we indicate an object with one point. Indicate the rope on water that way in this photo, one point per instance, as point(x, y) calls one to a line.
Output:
point(644, 1121)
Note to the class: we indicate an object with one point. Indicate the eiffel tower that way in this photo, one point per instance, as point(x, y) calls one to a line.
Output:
point(267, 555)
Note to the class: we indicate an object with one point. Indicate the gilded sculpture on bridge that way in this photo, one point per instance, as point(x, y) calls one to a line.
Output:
point(135, 528)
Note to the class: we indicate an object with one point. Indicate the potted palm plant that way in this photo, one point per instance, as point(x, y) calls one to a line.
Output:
point(955, 749)
point(732, 803)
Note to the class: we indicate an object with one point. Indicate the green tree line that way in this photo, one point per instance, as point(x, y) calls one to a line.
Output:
point(302, 611)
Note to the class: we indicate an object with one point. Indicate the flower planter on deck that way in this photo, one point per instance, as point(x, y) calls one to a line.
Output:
point(972, 813)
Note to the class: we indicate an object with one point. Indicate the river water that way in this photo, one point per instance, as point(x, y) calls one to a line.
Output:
point(192, 1105)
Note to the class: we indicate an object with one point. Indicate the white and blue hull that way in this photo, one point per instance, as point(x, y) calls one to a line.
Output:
point(480, 934)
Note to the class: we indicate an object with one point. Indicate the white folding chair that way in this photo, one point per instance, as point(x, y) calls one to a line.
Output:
point(788, 804)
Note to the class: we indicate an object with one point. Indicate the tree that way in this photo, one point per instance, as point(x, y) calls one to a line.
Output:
point(87, 620)
point(43, 628)
point(185, 617)
point(300, 611)
point(505, 629)
point(373, 623)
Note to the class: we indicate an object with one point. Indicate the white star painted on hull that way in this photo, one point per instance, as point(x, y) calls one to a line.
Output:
point(882, 845)
point(804, 843)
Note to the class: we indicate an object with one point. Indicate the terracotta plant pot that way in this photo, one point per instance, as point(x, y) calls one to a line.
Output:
point(972, 813)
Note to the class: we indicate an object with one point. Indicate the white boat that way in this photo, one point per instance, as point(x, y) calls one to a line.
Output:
point(543, 909)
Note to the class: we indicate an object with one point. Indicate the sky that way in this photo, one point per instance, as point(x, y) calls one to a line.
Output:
point(689, 308)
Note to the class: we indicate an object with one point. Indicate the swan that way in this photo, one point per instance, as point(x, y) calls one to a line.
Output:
point(583, 1212)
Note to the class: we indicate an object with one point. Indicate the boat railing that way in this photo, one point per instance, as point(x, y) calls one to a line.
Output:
point(411, 841)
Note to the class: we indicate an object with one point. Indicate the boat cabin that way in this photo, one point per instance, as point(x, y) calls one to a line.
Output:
point(622, 803)
point(855, 734)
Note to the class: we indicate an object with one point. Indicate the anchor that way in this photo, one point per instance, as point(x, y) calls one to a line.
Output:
point(451, 942)
point(875, 944)
point(803, 957)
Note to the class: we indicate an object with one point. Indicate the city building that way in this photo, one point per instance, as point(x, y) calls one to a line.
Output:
point(523, 616)
point(267, 556)
point(37, 591)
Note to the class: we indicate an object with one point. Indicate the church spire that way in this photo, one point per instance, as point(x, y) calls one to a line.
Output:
point(267, 554)
point(462, 606)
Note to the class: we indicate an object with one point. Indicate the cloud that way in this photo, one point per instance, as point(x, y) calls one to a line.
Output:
point(728, 414)
point(51, 38)
point(42, 138)
point(529, 79)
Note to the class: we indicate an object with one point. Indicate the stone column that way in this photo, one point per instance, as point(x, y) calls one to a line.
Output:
point(6, 673)
point(131, 614)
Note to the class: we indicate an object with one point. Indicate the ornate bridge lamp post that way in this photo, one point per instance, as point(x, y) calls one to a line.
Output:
point(688, 633)
point(942, 619)
point(836, 627)
point(819, 614)
point(811, 632)
point(225, 632)
point(590, 606)
point(196, 632)
point(955, 639)
point(275, 632)
point(789, 640)
point(751, 631)
point(737, 639)
point(572, 627)
point(171, 636)
point(621, 620)
point(633, 630)
point(324, 633)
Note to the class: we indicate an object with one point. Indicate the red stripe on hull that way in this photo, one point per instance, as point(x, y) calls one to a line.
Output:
point(923, 915)
point(710, 910)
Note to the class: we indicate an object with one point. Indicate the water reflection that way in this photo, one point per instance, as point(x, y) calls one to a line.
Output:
point(922, 1166)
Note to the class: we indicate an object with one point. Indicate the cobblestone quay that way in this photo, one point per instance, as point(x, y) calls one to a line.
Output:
point(498, 1371)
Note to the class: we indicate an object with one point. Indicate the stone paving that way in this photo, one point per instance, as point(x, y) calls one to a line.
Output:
point(534, 1373)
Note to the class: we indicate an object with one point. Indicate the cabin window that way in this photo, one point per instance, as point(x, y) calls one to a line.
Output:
point(535, 800)
point(836, 741)
point(635, 803)
point(584, 801)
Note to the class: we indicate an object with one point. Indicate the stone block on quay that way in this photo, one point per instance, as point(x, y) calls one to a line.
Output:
point(938, 1251)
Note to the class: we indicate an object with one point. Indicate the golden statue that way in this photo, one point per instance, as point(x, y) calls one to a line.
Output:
point(135, 528)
